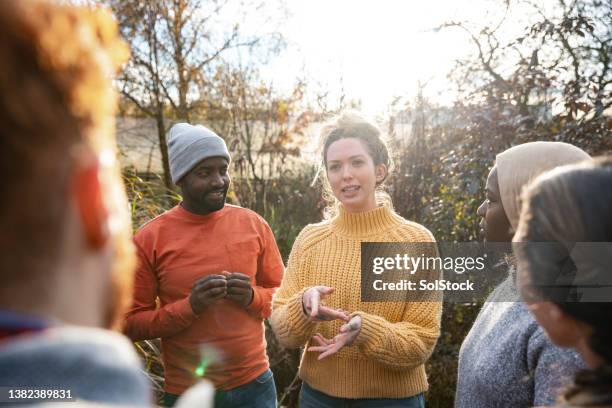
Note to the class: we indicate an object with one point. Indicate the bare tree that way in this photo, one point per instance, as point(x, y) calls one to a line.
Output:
point(265, 129)
point(562, 58)
point(176, 47)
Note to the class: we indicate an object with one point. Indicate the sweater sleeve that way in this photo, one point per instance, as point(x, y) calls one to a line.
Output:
point(144, 320)
point(269, 274)
point(553, 368)
point(289, 322)
point(409, 342)
point(404, 344)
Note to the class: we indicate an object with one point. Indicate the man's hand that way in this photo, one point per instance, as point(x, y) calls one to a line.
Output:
point(348, 334)
point(239, 288)
point(206, 291)
point(316, 312)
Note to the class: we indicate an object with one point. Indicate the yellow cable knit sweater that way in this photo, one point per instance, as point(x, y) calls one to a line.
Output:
point(387, 358)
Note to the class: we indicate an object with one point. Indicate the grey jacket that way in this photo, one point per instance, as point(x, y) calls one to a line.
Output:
point(96, 365)
point(506, 360)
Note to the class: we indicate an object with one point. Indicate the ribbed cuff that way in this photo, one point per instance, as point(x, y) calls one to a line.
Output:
point(293, 325)
point(410, 347)
point(371, 329)
point(299, 322)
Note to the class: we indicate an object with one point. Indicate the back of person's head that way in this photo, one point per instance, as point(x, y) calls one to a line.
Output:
point(566, 226)
point(61, 186)
point(352, 124)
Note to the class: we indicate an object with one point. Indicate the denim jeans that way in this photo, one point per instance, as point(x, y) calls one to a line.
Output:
point(311, 398)
point(261, 392)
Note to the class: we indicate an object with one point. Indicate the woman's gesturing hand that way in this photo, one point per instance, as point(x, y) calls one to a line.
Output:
point(346, 337)
point(311, 303)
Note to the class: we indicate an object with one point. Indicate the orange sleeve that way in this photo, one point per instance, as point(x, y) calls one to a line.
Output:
point(270, 271)
point(144, 320)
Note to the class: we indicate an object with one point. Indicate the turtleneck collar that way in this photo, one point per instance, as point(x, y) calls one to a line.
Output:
point(365, 223)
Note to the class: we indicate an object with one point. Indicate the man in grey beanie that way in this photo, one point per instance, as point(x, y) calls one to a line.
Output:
point(189, 146)
point(214, 268)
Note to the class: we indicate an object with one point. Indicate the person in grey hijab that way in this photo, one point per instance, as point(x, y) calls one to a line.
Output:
point(506, 360)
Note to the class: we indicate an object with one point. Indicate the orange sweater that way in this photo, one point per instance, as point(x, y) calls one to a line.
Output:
point(176, 249)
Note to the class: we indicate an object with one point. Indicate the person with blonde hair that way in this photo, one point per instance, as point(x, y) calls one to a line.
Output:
point(67, 259)
point(366, 353)
point(506, 359)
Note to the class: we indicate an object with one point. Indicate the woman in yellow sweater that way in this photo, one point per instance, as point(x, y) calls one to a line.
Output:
point(366, 354)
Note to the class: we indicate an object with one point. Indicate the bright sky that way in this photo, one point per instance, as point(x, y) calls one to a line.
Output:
point(375, 50)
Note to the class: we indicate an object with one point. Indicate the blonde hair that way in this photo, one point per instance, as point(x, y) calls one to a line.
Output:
point(351, 124)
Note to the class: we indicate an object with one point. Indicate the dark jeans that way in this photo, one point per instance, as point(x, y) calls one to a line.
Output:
point(261, 392)
point(311, 398)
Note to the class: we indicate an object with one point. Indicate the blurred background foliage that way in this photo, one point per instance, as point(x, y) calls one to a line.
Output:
point(552, 81)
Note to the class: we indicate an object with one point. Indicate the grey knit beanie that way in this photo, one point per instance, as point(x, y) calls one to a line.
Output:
point(190, 144)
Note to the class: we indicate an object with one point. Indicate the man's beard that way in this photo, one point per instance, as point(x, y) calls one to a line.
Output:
point(210, 204)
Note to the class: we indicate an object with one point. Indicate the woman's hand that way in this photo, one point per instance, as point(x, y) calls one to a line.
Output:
point(348, 334)
point(316, 312)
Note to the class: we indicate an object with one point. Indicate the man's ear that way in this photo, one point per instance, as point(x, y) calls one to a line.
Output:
point(91, 211)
